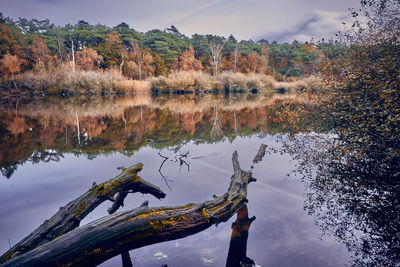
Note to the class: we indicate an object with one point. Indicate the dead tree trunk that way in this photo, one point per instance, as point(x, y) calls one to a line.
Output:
point(72, 56)
point(216, 53)
point(70, 216)
point(114, 234)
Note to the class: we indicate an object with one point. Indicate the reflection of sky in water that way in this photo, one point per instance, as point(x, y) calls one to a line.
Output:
point(282, 234)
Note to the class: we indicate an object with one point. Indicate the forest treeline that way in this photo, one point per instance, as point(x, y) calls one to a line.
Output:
point(40, 45)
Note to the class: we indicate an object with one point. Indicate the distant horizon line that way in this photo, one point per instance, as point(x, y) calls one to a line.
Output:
point(254, 40)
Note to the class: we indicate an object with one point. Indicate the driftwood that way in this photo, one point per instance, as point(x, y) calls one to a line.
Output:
point(120, 232)
point(70, 216)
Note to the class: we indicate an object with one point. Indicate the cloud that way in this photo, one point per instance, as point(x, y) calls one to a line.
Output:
point(194, 11)
point(322, 24)
point(243, 19)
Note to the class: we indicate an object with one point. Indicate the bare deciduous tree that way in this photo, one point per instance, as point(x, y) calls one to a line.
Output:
point(72, 50)
point(235, 58)
point(138, 56)
point(142, 59)
point(60, 46)
point(216, 52)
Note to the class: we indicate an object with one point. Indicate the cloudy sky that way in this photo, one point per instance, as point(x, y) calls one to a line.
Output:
point(283, 20)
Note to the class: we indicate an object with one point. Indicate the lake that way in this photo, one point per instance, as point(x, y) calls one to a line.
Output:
point(53, 149)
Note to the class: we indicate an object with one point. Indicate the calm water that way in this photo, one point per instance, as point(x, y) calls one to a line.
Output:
point(52, 151)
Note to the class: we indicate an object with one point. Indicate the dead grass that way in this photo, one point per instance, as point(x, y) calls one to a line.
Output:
point(133, 86)
point(62, 79)
point(185, 81)
point(310, 82)
point(111, 81)
point(91, 81)
point(194, 80)
point(34, 82)
point(247, 82)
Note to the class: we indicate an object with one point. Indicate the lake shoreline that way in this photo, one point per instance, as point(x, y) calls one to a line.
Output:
point(65, 83)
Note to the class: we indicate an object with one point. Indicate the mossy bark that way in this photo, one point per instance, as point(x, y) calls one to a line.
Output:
point(70, 216)
point(114, 234)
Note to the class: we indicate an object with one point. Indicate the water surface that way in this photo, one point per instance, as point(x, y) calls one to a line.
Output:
point(52, 150)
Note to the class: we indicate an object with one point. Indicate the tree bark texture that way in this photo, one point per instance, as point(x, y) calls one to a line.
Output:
point(70, 216)
point(117, 233)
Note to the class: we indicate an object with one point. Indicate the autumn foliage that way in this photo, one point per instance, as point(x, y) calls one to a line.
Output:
point(10, 64)
point(88, 59)
point(60, 50)
point(187, 61)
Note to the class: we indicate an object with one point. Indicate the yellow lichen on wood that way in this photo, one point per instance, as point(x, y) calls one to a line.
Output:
point(157, 212)
point(82, 255)
point(130, 170)
point(206, 214)
point(158, 225)
point(147, 215)
point(114, 185)
point(220, 206)
point(79, 209)
point(7, 256)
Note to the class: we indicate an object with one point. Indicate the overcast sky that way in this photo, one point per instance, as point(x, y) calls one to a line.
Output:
point(282, 20)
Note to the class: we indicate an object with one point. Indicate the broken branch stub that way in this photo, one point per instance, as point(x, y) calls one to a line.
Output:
point(111, 235)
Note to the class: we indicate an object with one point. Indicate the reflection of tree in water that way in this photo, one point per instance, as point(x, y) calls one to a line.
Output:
point(98, 126)
point(177, 157)
point(36, 157)
point(9, 170)
point(353, 195)
point(100, 240)
point(216, 130)
point(235, 127)
point(238, 244)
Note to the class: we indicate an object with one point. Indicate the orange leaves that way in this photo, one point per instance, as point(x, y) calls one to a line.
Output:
point(88, 59)
point(10, 64)
point(40, 51)
point(188, 62)
point(140, 62)
point(113, 38)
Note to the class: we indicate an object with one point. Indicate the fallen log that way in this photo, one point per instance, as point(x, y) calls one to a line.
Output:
point(114, 234)
point(70, 216)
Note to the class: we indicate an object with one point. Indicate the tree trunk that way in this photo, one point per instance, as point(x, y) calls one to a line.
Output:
point(59, 49)
point(73, 56)
point(140, 71)
point(236, 52)
point(114, 234)
point(122, 62)
point(15, 84)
